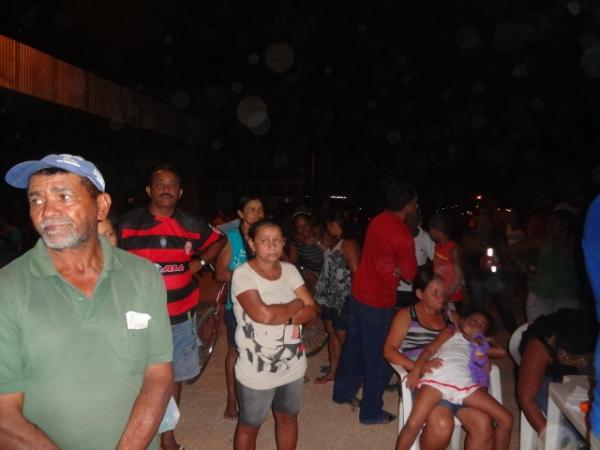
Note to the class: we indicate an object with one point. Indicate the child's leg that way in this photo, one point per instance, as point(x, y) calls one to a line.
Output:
point(483, 401)
point(427, 398)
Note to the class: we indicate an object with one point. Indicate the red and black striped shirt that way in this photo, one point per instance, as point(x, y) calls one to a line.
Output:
point(170, 243)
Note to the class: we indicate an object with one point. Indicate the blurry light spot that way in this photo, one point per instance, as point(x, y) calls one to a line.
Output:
point(180, 99)
point(478, 87)
point(225, 8)
point(291, 78)
point(252, 112)
point(537, 104)
point(574, 8)
point(362, 28)
point(328, 117)
point(62, 22)
point(217, 96)
point(371, 105)
point(590, 61)
point(461, 122)
point(328, 70)
point(216, 144)
point(406, 79)
point(384, 92)
point(167, 61)
point(280, 160)
point(520, 71)
point(394, 137)
point(253, 58)
point(280, 21)
point(279, 57)
point(236, 87)
point(256, 118)
point(169, 39)
point(447, 96)
point(262, 127)
point(478, 122)
point(468, 40)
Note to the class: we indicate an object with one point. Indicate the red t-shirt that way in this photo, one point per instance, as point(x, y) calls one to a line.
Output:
point(442, 265)
point(170, 243)
point(388, 245)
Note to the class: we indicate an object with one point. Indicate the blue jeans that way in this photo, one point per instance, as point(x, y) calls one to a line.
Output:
point(362, 361)
point(480, 283)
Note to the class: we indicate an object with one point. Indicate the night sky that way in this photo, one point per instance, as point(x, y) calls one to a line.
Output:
point(496, 96)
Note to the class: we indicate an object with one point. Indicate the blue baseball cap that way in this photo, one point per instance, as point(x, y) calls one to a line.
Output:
point(18, 176)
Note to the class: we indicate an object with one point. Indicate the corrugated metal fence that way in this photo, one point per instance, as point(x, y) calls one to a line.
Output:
point(29, 71)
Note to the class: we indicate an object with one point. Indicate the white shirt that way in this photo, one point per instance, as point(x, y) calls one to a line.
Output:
point(424, 250)
point(269, 355)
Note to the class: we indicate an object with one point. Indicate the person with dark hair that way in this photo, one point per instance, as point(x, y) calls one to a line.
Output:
point(424, 252)
point(179, 245)
point(341, 259)
point(85, 345)
point(555, 282)
point(554, 345)
point(461, 379)
point(388, 256)
point(271, 303)
point(447, 261)
point(305, 250)
point(591, 252)
point(236, 252)
point(411, 330)
point(484, 261)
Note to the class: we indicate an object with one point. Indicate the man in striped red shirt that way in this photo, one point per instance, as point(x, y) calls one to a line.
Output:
point(178, 244)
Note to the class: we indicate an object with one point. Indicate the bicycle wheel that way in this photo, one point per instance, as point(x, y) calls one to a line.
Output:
point(207, 330)
point(314, 336)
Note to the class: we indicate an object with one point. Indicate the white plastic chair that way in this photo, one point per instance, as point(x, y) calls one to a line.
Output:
point(405, 404)
point(527, 435)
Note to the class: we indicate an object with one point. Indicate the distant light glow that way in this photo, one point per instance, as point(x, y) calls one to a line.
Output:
point(338, 197)
point(236, 87)
point(180, 99)
point(279, 57)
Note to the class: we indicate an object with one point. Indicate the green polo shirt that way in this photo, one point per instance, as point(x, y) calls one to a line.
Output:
point(76, 360)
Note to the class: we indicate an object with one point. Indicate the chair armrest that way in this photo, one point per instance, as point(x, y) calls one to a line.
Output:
point(495, 383)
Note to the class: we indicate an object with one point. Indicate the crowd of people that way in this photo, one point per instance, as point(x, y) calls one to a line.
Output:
point(97, 320)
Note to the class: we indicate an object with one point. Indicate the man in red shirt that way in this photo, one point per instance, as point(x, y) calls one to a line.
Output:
point(388, 256)
point(178, 244)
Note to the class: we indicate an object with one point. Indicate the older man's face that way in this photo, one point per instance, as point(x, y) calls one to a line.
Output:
point(62, 210)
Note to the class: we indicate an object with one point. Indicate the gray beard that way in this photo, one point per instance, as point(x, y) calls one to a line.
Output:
point(72, 240)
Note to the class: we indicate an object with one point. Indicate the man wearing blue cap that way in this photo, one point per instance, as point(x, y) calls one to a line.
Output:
point(85, 348)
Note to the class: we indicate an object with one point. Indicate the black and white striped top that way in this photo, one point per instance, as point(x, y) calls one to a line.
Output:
point(310, 256)
point(419, 336)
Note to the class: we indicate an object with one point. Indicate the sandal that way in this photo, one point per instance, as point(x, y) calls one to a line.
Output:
point(325, 379)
